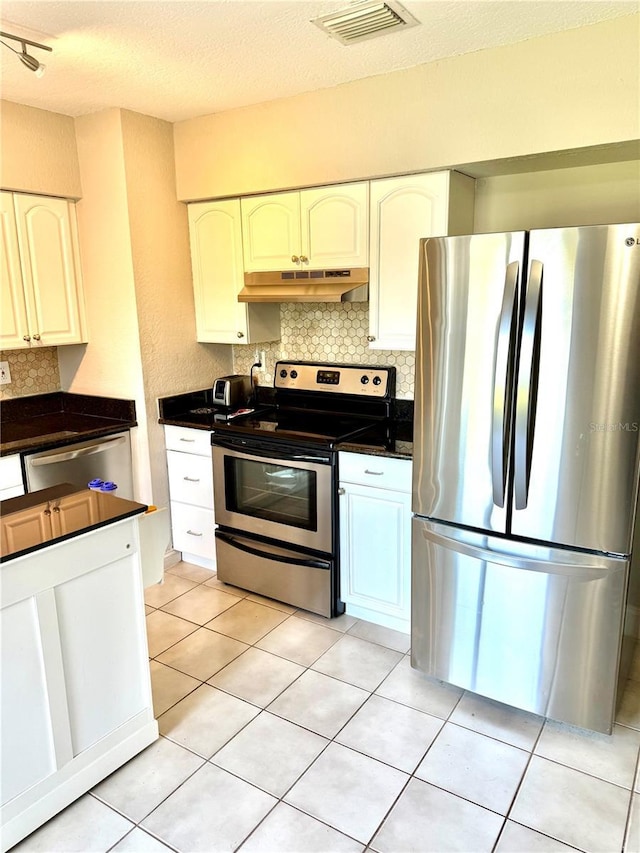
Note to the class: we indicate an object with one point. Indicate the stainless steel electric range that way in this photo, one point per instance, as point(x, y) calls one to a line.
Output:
point(275, 480)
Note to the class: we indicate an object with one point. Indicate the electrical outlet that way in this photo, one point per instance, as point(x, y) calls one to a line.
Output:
point(5, 373)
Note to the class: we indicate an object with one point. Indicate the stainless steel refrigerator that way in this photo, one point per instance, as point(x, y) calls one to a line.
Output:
point(525, 575)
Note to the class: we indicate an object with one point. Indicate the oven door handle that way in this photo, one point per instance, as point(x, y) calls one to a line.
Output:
point(278, 558)
point(275, 455)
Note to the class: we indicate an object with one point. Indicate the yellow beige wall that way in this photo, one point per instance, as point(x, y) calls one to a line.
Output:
point(567, 90)
point(38, 151)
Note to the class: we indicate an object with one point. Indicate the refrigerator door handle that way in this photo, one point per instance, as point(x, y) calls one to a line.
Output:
point(576, 571)
point(527, 389)
point(502, 373)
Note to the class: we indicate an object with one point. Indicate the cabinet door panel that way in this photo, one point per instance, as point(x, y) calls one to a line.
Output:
point(334, 223)
point(13, 319)
point(375, 531)
point(51, 274)
point(103, 649)
point(402, 211)
point(192, 530)
point(216, 256)
point(28, 752)
point(24, 529)
point(271, 231)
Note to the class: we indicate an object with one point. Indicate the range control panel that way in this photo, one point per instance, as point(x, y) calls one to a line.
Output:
point(363, 380)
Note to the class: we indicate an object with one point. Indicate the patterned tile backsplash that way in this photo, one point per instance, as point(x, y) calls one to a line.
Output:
point(326, 332)
point(33, 371)
point(310, 331)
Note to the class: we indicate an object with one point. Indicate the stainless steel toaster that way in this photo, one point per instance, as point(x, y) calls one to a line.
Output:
point(232, 391)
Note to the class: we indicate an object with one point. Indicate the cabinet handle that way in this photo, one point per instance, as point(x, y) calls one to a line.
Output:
point(192, 479)
point(375, 473)
point(304, 259)
point(56, 509)
point(295, 259)
point(36, 337)
point(193, 533)
point(26, 338)
point(371, 338)
point(241, 334)
point(341, 491)
point(47, 511)
point(190, 440)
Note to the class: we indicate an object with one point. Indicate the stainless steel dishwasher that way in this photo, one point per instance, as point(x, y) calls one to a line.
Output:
point(107, 458)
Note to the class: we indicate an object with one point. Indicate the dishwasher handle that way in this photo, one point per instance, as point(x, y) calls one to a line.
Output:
point(66, 455)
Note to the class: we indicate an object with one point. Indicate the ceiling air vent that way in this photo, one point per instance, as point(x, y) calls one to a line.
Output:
point(365, 21)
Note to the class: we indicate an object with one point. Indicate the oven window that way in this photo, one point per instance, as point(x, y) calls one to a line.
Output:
point(273, 492)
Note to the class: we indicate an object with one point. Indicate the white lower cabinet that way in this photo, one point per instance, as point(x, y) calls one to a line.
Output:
point(375, 539)
point(190, 470)
point(76, 690)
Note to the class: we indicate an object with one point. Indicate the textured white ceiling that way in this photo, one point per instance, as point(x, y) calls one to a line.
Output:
point(176, 59)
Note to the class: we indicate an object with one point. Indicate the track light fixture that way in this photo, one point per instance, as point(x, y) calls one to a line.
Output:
point(30, 61)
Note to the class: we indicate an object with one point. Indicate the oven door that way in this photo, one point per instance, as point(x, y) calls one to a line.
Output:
point(281, 493)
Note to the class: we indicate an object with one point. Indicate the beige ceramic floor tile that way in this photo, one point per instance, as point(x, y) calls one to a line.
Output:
point(271, 753)
point(428, 820)
point(610, 757)
point(287, 830)
point(212, 811)
point(338, 623)
point(393, 733)
point(200, 604)
point(164, 630)
point(144, 781)
point(139, 841)
point(347, 790)
point(410, 687)
point(632, 840)
point(202, 653)
point(519, 728)
point(148, 609)
point(191, 572)
point(170, 588)
point(214, 583)
point(299, 640)
point(205, 720)
point(257, 676)
point(383, 636)
point(358, 662)
point(577, 809)
point(478, 768)
point(520, 839)
point(168, 686)
point(86, 826)
point(319, 703)
point(247, 621)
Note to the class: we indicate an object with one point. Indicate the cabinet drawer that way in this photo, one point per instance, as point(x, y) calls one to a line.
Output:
point(192, 529)
point(381, 472)
point(188, 440)
point(190, 478)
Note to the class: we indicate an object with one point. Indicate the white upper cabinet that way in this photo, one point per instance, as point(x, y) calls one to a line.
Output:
point(323, 228)
point(215, 234)
point(42, 297)
point(402, 211)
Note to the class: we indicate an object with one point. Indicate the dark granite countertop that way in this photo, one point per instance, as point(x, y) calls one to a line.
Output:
point(178, 411)
point(53, 420)
point(87, 510)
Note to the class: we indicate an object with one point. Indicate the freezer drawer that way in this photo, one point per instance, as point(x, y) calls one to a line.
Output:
point(530, 626)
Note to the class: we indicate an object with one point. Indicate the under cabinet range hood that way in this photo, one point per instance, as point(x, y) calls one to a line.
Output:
point(345, 285)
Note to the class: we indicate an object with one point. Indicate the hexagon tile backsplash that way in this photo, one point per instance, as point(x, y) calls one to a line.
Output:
point(33, 371)
point(326, 332)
